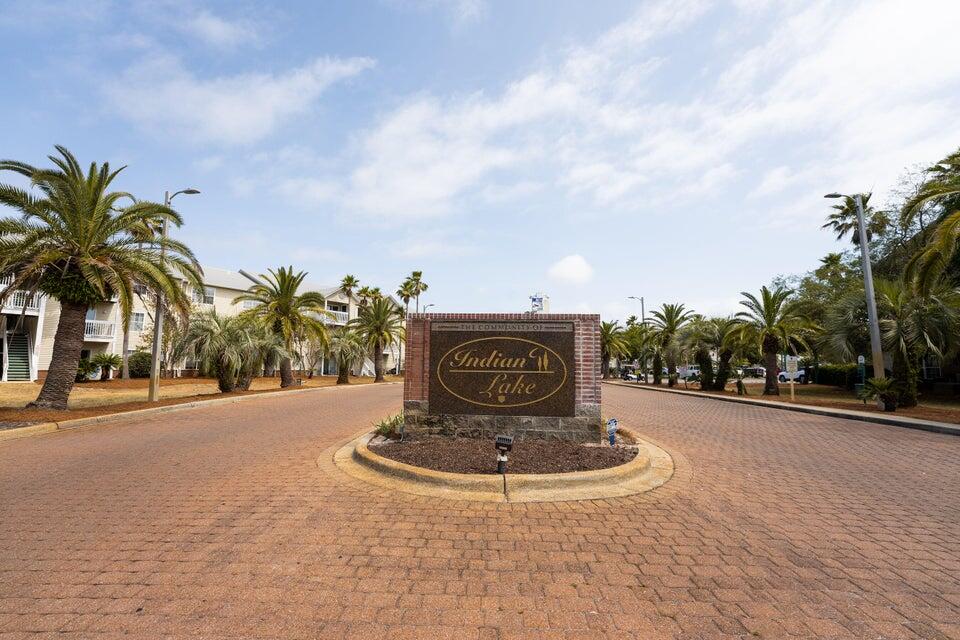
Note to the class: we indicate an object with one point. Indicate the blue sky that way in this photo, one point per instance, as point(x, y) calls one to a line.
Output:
point(676, 150)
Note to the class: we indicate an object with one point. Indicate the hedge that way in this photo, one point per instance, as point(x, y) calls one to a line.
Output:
point(837, 375)
point(139, 364)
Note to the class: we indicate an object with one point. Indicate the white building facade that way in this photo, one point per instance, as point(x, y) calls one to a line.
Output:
point(28, 324)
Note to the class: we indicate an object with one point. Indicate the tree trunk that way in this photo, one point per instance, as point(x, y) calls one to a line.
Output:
point(343, 372)
point(286, 373)
point(225, 382)
point(706, 368)
point(723, 370)
point(124, 355)
point(269, 366)
point(671, 371)
point(657, 368)
point(905, 377)
point(104, 374)
point(605, 367)
point(67, 344)
point(770, 347)
point(378, 363)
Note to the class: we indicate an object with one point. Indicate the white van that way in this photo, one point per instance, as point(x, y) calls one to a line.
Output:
point(688, 371)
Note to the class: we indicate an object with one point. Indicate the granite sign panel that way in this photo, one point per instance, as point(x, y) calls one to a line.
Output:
point(502, 368)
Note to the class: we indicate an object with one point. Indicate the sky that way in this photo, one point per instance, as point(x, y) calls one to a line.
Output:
point(676, 150)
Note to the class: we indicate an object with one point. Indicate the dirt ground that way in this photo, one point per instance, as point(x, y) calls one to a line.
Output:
point(937, 408)
point(464, 455)
point(99, 398)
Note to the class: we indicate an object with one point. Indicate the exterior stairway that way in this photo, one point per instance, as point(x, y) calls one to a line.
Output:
point(18, 358)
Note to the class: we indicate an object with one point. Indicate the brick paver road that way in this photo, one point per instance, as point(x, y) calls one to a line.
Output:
point(219, 522)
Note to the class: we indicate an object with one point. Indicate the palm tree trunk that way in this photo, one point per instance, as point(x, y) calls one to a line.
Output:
point(706, 368)
point(605, 367)
point(657, 368)
point(378, 363)
point(343, 373)
point(104, 374)
point(671, 371)
point(905, 375)
point(286, 373)
point(723, 370)
point(67, 344)
point(770, 347)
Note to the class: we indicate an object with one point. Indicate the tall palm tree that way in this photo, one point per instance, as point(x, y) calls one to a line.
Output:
point(406, 292)
point(941, 192)
point(638, 339)
point(843, 220)
point(417, 285)
point(289, 313)
point(74, 242)
point(667, 322)
point(914, 323)
point(348, 285)
point(612, 345)
point(773, 322)
point(699, 338)
point(365, 294)
point(380, 324)
point(726, 344)
point(347, 348)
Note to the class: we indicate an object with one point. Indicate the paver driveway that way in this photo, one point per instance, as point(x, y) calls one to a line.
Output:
point(219, 522)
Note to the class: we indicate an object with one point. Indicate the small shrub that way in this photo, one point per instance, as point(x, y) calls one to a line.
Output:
point(882, 388)
point(389, 427)
point(139, 364)
point(85, 369)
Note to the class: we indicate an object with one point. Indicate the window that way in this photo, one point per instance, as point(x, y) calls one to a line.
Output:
point(136, 321)
point(204, 296)
point(337, 306)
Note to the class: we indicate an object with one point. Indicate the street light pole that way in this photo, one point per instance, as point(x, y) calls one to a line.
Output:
point(153, 394)
point(876, 348)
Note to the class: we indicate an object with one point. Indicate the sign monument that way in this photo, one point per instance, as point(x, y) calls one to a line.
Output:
point(530, 376)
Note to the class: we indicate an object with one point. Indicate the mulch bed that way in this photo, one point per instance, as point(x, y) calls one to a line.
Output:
point(463, 455)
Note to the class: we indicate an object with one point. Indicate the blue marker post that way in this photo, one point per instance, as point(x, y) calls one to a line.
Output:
point(612, 430)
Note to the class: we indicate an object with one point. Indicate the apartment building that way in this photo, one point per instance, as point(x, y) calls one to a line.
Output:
point(28, 324)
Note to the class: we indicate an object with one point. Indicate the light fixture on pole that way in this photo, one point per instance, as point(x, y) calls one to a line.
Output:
point(427, 306)
point(643, 312)
point(643, 322)
point(875, 347)
point(153, 393)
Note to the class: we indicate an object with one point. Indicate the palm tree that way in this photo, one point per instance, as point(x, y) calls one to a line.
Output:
point(843, 220)
point(406, 292)
point(366, 294)
point(726, 344)
point(348, 285)
point(773, 322)
point(667, 322)
point(288, 313)
point(379, 323)
point(942, 192)
point(348, 349)
point(612, 345)
point(107, 363)
point(229, 348)
point(638, 342)
point(418, 286)
point(75, 243)
point(699, 338)
point(914, 323)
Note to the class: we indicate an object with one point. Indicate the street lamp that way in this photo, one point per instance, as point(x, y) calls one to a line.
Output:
point(427, 306)
point(153, 393)
point(875, 347)
point(643, 312)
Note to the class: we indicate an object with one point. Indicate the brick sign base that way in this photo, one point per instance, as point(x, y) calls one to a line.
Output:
point(479, 375)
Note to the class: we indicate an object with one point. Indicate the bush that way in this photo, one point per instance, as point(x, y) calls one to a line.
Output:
point(85, 369)
point(836, 375)
point(390, 428)
point(139, 364)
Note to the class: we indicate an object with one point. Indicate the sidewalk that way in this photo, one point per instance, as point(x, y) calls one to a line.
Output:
point(863, 416)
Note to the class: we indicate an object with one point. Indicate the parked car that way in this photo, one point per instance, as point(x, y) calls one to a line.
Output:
point(799, 376)
point(628, 375)
point(754, 372)
point(689, 371)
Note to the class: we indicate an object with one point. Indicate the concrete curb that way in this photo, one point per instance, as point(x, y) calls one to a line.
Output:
point(650, 469)
point(48, 427)
point(847, 414)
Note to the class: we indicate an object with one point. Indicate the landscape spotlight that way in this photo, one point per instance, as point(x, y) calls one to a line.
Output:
point(504, 445)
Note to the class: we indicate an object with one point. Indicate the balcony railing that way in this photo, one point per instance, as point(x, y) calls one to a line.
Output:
point(338, 317)
point(99, 330)
point(19, 299)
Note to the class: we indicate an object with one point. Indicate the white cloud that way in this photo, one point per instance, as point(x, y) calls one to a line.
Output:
point(461, 12)
point(573, 269)
point(217, 31)
point(161, 96)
